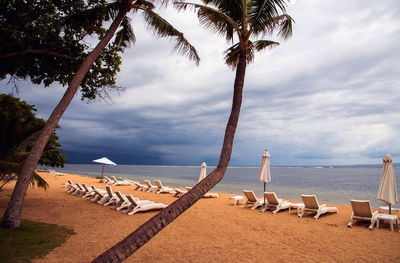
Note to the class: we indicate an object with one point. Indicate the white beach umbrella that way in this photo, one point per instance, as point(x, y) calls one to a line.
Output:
point(387, 189)
point(203, 171)
point(264, 174)
point(104, 161)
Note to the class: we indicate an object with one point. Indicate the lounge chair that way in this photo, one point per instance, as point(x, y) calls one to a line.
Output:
point(362, 211)
point(108, 180)
point(53, 172)
point(179, 192)
point(163, 189)
point(210, 195)
point(99, 194)
point(68, 184)
point(130, 205)
point(150, 187)
point(90, 191)
point(274, 203)
point(106, 199)
point(122, 202)
point(251, 199)
point(141, 187)
point(311, 205)
point(120, 182)
point(78, 190)
point(206, 195)
point(139, 206)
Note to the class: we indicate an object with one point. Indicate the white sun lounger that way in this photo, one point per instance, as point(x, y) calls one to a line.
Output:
point(362, 211)
point(206, 195)
point(53, 172)
point(120, 182)
point(150, 187)
point(133, 202)
point(274, 203)
point(107, 197)
point(179, 192)
point(140, 187)
point(143, 207)
point(163, 189)
point(99, 194)
point(251, 199)
point(311, 205)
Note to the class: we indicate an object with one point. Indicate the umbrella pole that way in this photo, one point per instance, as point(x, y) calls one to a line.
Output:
point(102, 171)
point(264, 192)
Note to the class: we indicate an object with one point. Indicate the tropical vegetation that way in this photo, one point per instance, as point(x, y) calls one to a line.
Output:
point(117, 12)
point(19, 127)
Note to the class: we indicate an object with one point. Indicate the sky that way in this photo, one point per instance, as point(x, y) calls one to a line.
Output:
point(327, 96)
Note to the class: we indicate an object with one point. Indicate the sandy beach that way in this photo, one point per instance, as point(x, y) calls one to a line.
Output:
point(213, 230)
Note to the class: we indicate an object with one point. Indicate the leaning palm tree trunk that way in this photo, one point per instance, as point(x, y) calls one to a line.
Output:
point(149, 229)
point(12, 215)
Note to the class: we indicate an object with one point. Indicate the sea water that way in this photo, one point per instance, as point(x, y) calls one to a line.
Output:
point(333, 184)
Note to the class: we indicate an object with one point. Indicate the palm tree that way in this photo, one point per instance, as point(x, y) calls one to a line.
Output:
point(12, 215)
point(240, 19)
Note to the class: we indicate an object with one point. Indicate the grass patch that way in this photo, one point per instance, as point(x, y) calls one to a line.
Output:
point(31, 240)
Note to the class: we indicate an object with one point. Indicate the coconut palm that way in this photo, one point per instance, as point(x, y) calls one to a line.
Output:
point(234, 19)
point(161, 28)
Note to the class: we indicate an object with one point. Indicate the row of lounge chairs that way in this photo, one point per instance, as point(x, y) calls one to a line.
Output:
point(120, 181)
point(118, 201)
point(361, 208)
point(159, 188)
point(272, 202)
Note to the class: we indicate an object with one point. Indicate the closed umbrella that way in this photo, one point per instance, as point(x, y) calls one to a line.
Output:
point(203, 171)
point(264, 174)
point(387, 188)
point(104, 161)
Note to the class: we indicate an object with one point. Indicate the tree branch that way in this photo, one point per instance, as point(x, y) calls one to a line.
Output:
point(37, 51)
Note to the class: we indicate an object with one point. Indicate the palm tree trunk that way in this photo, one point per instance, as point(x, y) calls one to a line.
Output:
point(12, 215)
point(149, 229)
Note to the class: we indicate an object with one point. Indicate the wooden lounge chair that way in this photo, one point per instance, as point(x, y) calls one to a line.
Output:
point(163, 189)
point(274, 203)
point(362, 211)
point(140, 206)
point(251, 199)
point(311, 205)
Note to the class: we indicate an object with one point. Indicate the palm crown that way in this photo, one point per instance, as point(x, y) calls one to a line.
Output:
point(239, 20)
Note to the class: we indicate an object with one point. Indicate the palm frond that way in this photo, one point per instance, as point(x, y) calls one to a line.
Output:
point(162, 28)
point(213, 19)
point(37, 180)
point(263, 14)
point(285, 26)
point(232, 55)
point(125, 36)
point(260, 45)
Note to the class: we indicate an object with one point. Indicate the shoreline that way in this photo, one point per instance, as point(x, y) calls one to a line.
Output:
point(212, 230)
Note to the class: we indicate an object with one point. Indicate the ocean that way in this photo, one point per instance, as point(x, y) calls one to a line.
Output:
point(333, 184)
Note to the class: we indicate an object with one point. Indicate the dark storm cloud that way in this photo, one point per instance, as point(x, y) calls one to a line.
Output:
point(328, 96)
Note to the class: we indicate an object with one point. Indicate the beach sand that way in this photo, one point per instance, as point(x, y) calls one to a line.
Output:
point(212, 230)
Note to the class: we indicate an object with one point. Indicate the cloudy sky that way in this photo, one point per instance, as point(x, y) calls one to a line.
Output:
point(327, 96)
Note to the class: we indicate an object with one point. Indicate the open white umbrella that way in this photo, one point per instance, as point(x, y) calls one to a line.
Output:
point(203, 171)
point(387, 189)
point(264, 174)
point(104, 161)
